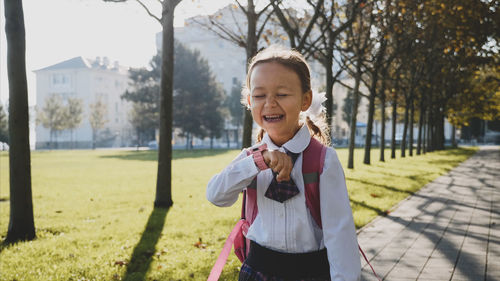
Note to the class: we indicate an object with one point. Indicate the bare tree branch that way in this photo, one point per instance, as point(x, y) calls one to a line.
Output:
point(264, 9)
point(261, 29)
point(241, 7)
point(315, 16)
point(236, 22)
point(284, 22)
point(147, 10)
point(345, 85)
point(221, 31)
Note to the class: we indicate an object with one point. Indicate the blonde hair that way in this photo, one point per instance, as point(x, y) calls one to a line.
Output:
point(293, 60)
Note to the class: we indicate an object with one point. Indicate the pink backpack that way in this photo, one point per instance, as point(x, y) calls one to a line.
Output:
point(311, 170)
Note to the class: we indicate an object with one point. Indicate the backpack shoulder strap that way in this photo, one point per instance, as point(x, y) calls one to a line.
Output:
point(249, 208)
point(313, 159)
point(311, 170)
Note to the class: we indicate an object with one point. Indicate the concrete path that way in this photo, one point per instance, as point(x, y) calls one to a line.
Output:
point(449, 230)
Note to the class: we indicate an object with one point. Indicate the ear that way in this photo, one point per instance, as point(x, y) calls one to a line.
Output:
point(306, 100)
point(249, 101)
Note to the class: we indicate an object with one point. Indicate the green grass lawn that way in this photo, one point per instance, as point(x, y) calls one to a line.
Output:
point(95, 219)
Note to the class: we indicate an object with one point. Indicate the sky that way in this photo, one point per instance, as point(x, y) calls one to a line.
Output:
point(58, 30)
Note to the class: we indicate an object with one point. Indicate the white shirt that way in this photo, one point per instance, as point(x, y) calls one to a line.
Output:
point(289, 227)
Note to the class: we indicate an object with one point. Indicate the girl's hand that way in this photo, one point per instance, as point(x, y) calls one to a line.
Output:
point(279, 162)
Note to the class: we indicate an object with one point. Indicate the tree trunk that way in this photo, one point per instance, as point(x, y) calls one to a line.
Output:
point(369, 126)
point(440, 131)
point(382, 123)
point(211, 142)
point(227, 139)
point(247, 130)
point(21, 222)
point(412, 113)
point(453, 139)
point(429, 147)
point(394, 119)
point(405, 129)
point(426, 131)
point(420, 125)
point(354, 114)
point(187, 141)
point(164, 177)
point(328, 64)
point(251, 52)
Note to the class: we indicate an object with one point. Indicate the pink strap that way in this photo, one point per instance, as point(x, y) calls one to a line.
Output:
point(364, 256)
point(221, 261)
point(251, 205)
point(310, 164)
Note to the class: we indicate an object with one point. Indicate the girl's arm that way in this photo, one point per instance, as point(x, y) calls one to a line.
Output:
point(223, 189)
point(338, 225)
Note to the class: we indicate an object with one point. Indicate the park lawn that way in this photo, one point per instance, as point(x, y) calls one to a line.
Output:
point(95, 219)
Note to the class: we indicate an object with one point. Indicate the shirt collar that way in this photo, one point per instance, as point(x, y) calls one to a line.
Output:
point(297, 144)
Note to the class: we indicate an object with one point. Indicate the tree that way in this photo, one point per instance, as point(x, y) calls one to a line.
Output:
point(164, 175)
point(21, 222)
point(354, 46)
point(215, 112)
point(74, 115)
point(97, 119)
point(198, 100)
point(144, 93)
point(4, 126)
point(144, 120)
point(53, 116)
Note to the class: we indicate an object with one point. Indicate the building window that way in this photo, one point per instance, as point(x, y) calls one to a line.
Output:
point(61, 80)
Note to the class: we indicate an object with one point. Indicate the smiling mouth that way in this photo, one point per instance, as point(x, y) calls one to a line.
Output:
point(273, 118)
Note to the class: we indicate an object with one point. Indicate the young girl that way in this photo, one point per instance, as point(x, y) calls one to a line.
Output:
point(284, 234)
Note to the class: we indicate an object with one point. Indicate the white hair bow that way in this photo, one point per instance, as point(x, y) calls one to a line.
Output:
point(317, 108)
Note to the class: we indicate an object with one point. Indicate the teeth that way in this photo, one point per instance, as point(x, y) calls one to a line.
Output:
point(273, 117)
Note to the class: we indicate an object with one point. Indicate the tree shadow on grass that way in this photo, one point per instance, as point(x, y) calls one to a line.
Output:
point(388, 187)
point(142, 256)
point(152, 155)
point(363, 204)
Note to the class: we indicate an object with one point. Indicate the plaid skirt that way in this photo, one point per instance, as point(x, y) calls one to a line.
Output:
point(249, 274)
point(263, 264)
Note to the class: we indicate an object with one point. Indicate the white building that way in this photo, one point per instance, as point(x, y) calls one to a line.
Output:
point(88, 80)
point(226, 60)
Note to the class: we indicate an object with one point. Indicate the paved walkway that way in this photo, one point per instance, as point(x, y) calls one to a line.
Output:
point(449, 230)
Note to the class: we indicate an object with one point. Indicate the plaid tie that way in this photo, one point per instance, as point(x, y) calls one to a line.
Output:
point(284, 190)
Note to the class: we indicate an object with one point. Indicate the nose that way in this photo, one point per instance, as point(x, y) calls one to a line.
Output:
point(271, 101)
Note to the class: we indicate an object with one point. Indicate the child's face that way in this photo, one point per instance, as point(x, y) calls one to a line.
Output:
point(276, 100)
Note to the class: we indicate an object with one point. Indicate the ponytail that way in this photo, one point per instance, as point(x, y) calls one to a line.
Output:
point(320, 131)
